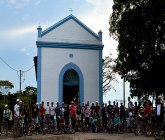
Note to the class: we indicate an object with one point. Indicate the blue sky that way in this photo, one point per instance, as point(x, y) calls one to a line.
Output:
point(19, 20)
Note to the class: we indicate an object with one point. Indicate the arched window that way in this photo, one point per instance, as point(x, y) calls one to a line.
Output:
point(71, 78)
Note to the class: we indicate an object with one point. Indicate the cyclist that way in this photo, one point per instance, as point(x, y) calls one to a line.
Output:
point(6, 115)
point(16, 112)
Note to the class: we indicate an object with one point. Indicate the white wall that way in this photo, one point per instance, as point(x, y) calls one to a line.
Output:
point(70, 32)
point(54, 59)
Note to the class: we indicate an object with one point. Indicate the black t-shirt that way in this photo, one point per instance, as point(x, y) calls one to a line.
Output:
point(35, 112)
point(109, 109)
point(26, 111)
point(78, 110)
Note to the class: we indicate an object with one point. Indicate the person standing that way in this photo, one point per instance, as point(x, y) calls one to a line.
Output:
point(6, 115)
point(57, 113)
point(110, 109)
point(97, 108)
point(42, 111)
point(47, 111)
point(130, 106)
point(159, 111)
point(78, 112)
point(87, 114)
point(122, 113)
point(104, 117)
point(16, 114)
point(92, 109)
point(52, 114)
point(66, 114)
point(72, 109)
point(35, 112)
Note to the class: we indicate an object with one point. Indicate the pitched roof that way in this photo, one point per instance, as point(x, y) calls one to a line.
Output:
point(65, 20)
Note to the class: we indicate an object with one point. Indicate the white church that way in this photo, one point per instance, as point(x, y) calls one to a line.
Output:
point(69, 63)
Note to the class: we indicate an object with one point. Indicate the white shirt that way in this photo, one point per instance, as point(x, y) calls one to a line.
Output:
point(51, 110)
point(47, 110)
point(17, 110)
point(158, 107)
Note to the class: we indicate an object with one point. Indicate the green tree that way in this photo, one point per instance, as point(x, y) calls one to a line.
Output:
point(5, 87)
point(29, 90)
point(29, 95)
point(139, 27)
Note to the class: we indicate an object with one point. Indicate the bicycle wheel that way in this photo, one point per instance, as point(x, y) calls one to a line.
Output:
point(30, 130)
point(71, 131)
point(159, 135)
point(158, 132)
point(138, 131)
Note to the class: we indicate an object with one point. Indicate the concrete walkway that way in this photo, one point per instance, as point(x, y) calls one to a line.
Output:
point(82, 136)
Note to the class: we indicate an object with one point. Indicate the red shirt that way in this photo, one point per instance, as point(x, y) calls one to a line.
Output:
point(97, 109)
point(73, 111)
point(147, 110)
point(42, 110)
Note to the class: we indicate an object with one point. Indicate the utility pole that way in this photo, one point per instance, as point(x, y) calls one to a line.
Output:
point(124, 91)
point(20, 75)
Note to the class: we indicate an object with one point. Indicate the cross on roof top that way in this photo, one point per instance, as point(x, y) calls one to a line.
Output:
point(70, 10)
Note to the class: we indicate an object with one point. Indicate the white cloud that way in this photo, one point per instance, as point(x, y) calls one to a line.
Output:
point(17, 32)
point(18, 3)
point(23, 49)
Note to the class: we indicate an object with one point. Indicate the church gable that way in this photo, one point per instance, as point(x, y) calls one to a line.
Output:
point(70, 30)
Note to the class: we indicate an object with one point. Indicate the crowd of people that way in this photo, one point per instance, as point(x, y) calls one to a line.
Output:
point(94, 117)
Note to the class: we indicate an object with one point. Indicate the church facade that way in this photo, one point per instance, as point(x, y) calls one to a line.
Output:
point(69, 63)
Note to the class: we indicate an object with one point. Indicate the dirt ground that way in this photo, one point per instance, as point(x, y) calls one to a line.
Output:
point(82, 136)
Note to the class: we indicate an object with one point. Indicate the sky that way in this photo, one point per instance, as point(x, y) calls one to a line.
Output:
point(19, 20)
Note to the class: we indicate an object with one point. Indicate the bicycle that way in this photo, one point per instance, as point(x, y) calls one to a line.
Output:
point(6, 126)
point(20, 128)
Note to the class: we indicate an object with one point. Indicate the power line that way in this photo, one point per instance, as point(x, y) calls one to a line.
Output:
point(14, 68)
point(20, 73)
point(8, 64)
point(29, 69)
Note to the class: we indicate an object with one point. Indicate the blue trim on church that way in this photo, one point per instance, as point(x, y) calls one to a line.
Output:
point(81, 82)
point(68, 45)
point(100, 78)
point(66, 19)
point(39, 75)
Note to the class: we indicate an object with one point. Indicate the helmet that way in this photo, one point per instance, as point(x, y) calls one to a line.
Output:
point(18, 100)
point(6, 105)
point(72, 102)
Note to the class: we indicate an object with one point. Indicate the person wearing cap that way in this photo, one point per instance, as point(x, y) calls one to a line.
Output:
point(72, 109)
point(6, 115)
point(16, 113)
